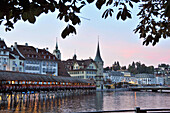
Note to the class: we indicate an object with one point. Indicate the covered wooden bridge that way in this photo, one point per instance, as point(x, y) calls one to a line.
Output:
point(23, 82)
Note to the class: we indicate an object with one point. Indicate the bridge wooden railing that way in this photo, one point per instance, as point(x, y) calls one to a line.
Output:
point(136, 110)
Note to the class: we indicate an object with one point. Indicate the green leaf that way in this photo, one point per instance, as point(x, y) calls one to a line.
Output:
point(109, 2)
point(118, 15)
point(66, 18)
point(136, 1)
point(104, 13)
point(37, 11)
point(52, 7)
point(131, 5)
point(129, 15)
point(69, 29)
point(99, 3)
point(64, 33)
point(90, 1)
point(31, 18)
point(25, 16)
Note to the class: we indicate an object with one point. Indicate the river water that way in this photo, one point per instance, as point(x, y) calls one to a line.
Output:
point(90, 102)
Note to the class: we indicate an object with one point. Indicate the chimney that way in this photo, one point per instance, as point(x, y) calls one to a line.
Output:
point(37, 50)
point(46, 48)
point(12, 48)
point(26, 44)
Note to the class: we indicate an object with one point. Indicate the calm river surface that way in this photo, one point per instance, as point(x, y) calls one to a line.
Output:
point(91, 102)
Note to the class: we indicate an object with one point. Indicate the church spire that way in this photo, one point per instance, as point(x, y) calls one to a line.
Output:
point(56, 51)
point(98, 57)
point(56, 47)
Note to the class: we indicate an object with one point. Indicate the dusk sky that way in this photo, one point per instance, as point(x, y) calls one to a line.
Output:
point(117, 39)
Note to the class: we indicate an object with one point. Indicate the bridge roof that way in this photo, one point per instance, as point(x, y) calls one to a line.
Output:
point(20, 76)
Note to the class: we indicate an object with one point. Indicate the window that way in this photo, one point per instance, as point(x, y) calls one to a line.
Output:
point(13, 68)
point(20, 69)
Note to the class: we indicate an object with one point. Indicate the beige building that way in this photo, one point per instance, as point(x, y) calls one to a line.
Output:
point(85, 69)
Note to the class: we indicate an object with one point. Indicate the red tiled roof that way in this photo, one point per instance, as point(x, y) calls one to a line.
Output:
point(2, 44)
point(15, 52)
point(84, 63)
point(29, 52)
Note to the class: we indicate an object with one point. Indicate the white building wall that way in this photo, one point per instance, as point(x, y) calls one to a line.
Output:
point(4, 60)
point(16, 65)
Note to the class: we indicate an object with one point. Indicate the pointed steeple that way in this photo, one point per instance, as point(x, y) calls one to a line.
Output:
point(56, 51)
point(56, 47)
point(98, 57)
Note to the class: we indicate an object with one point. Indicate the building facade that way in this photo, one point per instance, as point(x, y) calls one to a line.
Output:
point(85, 69)
point(37, 60)
point(4, 56)
point(146, 79)
point(10, 59)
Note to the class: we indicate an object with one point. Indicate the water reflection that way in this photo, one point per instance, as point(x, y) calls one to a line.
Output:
point(30, 103)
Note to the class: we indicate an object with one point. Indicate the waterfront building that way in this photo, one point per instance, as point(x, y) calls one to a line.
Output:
point(85, 69)
point(10, 59)
point(160, 79)
point(39, 61)
point(167, 79)
point(116, 76)
point(125, 73)
point(146, 79)
point(16, 60)
point(4, 56)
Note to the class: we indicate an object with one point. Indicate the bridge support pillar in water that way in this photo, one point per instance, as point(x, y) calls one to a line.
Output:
point(154, 90)
point(4, 97)
point(138, 110)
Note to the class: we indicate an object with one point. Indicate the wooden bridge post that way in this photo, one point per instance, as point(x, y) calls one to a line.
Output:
point(15, 96)
point(4, 97)
point(137, 109)
point(20, 97)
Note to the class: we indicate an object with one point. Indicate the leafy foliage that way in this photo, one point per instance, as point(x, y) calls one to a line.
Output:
point(154, 14)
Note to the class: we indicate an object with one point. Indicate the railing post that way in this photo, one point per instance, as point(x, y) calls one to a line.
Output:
point(137, 109)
